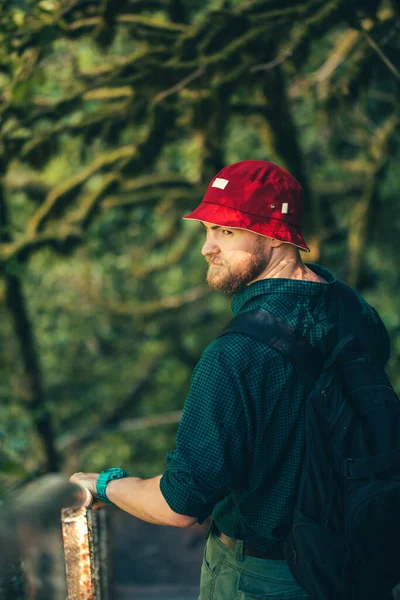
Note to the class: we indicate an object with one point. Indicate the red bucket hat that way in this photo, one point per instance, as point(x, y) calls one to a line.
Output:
point(258, 196)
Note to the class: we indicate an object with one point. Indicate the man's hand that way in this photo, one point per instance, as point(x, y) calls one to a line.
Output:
point(88, 481)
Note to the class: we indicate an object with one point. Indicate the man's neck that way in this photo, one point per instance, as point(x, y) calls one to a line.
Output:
point(289, 267)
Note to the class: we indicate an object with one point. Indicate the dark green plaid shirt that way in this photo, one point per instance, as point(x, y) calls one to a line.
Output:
point(240, 443)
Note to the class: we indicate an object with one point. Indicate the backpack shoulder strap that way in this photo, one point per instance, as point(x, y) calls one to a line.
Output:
point(352, 323)
point(271, 330)
point(349, 313)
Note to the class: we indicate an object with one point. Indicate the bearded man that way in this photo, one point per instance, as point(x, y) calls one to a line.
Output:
point(240, 443)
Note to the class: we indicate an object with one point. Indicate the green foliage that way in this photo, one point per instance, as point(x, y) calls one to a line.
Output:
point(112, 122)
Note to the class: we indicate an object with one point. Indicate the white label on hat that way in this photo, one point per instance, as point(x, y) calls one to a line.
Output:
point(220, 183)
point(285, 208)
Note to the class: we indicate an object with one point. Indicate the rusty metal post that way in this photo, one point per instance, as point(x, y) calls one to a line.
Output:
point(98, 524)
point(86, 549)
point(63, 550)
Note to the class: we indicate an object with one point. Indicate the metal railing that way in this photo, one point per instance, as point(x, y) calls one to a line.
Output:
point(85, 550)
point(62, 548)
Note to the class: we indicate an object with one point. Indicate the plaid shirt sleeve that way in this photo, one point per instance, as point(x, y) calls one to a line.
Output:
point(212, 438)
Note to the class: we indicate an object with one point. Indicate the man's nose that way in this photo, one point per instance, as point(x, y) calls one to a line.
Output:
point(209, 247)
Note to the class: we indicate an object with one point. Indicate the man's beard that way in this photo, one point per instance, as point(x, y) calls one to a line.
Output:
point(224, 279)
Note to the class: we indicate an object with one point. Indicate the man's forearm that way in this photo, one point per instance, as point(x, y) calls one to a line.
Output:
point(143, 499)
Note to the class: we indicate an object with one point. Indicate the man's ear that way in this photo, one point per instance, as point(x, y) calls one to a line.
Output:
point(276, 243)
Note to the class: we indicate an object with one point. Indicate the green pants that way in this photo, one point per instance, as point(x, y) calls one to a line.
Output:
point(229, 575)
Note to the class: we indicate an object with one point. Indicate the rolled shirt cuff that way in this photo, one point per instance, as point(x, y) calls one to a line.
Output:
point(185, 497)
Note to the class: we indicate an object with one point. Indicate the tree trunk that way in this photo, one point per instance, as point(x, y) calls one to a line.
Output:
point(34, 394)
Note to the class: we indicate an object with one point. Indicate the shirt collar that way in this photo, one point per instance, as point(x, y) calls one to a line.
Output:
point(296, 287)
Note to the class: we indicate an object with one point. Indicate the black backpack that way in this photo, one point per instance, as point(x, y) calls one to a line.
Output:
point(344, 543)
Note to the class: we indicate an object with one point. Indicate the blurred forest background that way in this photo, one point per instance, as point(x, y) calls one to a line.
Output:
point(114, 115)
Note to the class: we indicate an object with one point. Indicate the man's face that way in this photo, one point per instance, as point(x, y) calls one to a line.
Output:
point(236, 257)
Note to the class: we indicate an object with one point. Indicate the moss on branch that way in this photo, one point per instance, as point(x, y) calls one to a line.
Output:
point(73, 184)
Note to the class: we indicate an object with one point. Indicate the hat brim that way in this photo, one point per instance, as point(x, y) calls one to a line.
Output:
point(225, 216)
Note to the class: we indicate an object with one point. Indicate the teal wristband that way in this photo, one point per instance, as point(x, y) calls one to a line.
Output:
point(104, 478)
